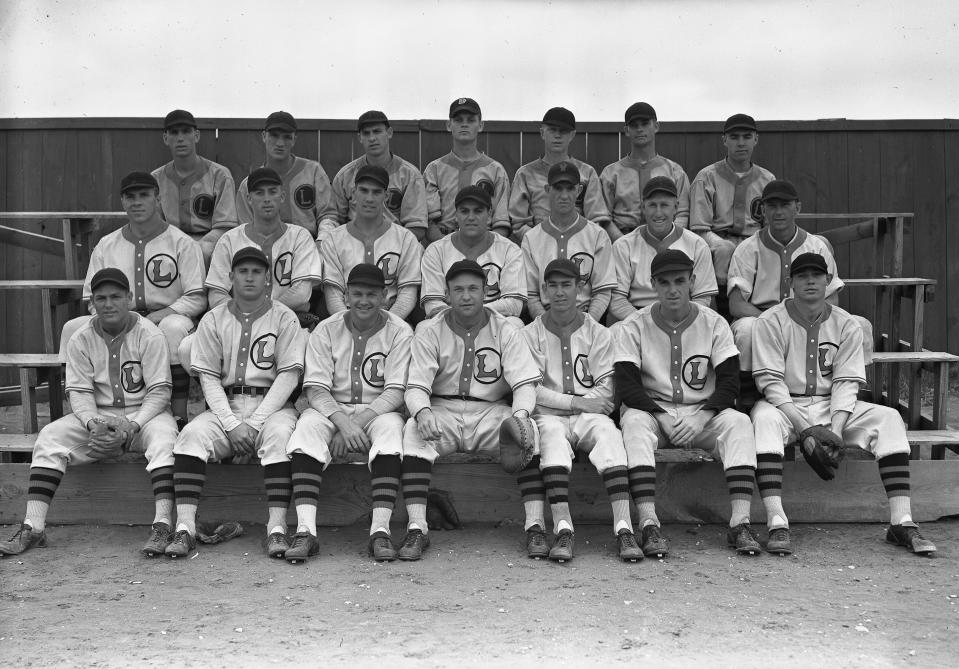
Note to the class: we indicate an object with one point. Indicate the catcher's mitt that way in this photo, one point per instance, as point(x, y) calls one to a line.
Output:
point(308, 320)
point(822, 449)
point(109, 435)
point(440, 512)
point(206, 533)
point(518, 443)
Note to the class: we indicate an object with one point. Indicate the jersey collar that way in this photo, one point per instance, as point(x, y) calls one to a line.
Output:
point(265, 307)
point(472, 253)
point(127, 232)
point(660, 244)
point(550, 229)
point(378, 324)
point(563, 332)
point(264, 240)
point(771, 243)
point(381, 230)
point(132, 320)
point(656, 312)
point(794, 314)
point(459, 330)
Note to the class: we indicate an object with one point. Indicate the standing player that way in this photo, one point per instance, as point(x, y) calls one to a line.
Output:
point(623, 181)
point(372, 237)
point(798, 398)
point(196, 194)
point(464, 166)
point(465, 362)
point(500, 258)
point(573, 403)
point(677, 372)
point(633, 253)
point(405, 193)
point(307, 199)
point(248, 354)
point(118, 374)
point(529, 204)
point(567, 234)
point(356, 363)
point(725, 201)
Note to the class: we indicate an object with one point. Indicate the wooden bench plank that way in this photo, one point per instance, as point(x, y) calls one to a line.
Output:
point(30, 360)
point(913, 356)
point(891, 281)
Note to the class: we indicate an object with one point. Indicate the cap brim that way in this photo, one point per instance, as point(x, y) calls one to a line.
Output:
point(559, 272)
point(739, 126)
point(640, 117)
point(457, 110)
point(366, 282)
point(671, 193)
point(780, 195)
point(471, 198)
point(673, 267)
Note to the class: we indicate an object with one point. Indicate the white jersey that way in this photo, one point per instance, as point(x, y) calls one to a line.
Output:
point(446, 176)
point(405, 196)
point(308, 202)
point(574, 362)
point(199, 202)
point(529, 201)
point(623, 183)
point(722, 200)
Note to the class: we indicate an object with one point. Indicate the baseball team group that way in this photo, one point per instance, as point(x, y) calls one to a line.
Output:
point(415, 315)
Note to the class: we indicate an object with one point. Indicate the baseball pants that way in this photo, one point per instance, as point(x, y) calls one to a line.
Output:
point(591, 433)
point(314, 431)
point(466, 426)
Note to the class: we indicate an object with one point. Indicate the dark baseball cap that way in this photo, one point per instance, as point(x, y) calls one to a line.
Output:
point(373, 173)
point(280, 120)
point(366, 274)
point(563, 171)
point(560, 117)
point(670, 260)
point(780, 189)
point(640, 110)
point(249, 253)
point(739, 122)
point(372, 117)
point(261, 176)
point(660, 185)
point(110, 275)
point(474, 193)
point(465, 267)
point(179, 117)
point(808, 261)
point(563, 267)
point(138, 180)
point(465, 104)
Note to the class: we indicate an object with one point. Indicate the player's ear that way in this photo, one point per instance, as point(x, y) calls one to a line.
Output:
point(166, 138)
point(389, 133)
point(196, 134)
point(449, 125)
point(756, 137)
point(293, 141)
point(655, 126)
point(480, 127)
point(282, 195)
point(798, 206)
point(692, 278)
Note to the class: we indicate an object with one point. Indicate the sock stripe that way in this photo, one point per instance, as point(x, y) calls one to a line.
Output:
point(642, 484)
point(741, 482)
point(43, 484)
point(162, 481)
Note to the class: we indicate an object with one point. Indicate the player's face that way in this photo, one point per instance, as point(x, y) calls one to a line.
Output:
point(561, 291)
point(265, 201)
point(369, 198)
point(562, 197)
point(466, 293)
point(465, 126)
point(140, 204)
point(279, 144)
point(181, 140)
point(364, 301)
point(472, 219)
point(659, 209)
point(556, 140)
point(672, 288)
point(809, 285)
point(780, 215)
point(112, 304)
point(375, 139)
point(642, 132)
point(740, 144)
point(249, 280)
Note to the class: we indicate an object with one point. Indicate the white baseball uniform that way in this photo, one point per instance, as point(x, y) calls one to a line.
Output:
point(405, 197)
point(446, 176)
point(623, 181)
point(722, 200)
point(309, 200)
point(200, 202)
point(529, 201)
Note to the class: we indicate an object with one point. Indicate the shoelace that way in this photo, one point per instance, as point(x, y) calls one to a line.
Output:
point(779, 534)
point(565, 540)
point(628, 540)
point(300, 540)
point(412, 538)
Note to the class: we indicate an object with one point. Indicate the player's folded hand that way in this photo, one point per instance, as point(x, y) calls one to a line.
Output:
point(426, 424)
point(688, 427)
point(598, 405)
point(357, 441)
point(243, 439)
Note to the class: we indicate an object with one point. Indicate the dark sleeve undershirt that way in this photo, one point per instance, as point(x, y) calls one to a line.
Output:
point(727, 386)
point(629, 385)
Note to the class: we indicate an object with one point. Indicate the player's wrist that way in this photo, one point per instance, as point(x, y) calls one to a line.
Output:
point(521, 413)
point(420, 412)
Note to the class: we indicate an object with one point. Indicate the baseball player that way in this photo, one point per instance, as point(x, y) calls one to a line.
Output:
point(501, 259)
point(465, 165)
point(372, 237)
point(633, 253)
point(565, 233)
point(118, 381)
point(575, 357)
point(197, 195)
point(405, 194)
point(677, 372)
point(465, 362)
point(807, 361)
point(725, 201)
point(307, 200)
point(623, 181)
point(529, 203)
point(356, 363)
point(248, 354)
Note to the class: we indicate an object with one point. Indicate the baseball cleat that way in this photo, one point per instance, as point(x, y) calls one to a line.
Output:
point(629, 550)
point(26, 537)
point(182, 545)
point(304, 546)
point(381, 547)
point(743, 537)
point(160, 537)
point(536, 546)
point(562, 549)
point(654, 543)
point(277, 544)
point(778, 541)
point(910, 537)
point(413, 545)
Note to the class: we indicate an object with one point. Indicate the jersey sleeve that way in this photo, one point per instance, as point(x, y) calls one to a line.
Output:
point(742, 269)
point(627, 342)
point(601, 353)
point(704, 271)
point(191, 266)
point(218, 276)
point(424, 359)
point(532, 276)
point(682, 207)
point(622, 266)
point(318, 369)
point(333, 274)
point(155, 361)
point(341, 196)
point(848, 364)
point(80, 372)
point(513, 275)
point(398, 360)
point(500, 198)
point(244, 214)
point(413, 210)
point(701, 204)
point(519, 367)
point(520, 213)
point(323, 209)
point(531, 335)
point(434, 203)
point(604, 269)
point(836, 284)
point(224, 205)
point(290, 343)
point(769, 359)
point(594, 202)
point(206, 356)
point(307, 265)
point(431, 269)
point(724, 347)
point(412, 255)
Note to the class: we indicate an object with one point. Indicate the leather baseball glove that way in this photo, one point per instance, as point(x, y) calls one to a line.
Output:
point(518, 443)
point(822, 449)
point(440, 512)
point(109, 435)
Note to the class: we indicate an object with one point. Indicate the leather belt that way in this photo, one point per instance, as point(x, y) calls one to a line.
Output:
point(252, 391)
point(460, 397)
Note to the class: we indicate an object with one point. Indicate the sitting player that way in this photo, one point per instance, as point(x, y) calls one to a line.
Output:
point(356, 363)
point(248, 354)
point(677, 372)
point(118, 381)
point(573, 403)
point(797, 399)
point(465, 362)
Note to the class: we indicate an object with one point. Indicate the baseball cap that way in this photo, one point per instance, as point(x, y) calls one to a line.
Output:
point(563, 171)
point(465, 267)
point(373, 173)
point(808, 261)
point(371, 118)
point(640, 110)
point(111, 275)
point(262, 175)
point(138, 180)
point(670, 260)
point(474, 193)
point(464, 104)
point(366, 274)
point(780, 189)
point(280, 120)
point(179, 117)
point(563, 267)
point(249, 253)
point(660, 185)
point(739, 121)
point(560, 117)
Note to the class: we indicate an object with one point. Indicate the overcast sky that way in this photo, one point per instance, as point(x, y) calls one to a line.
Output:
point(691, 59)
